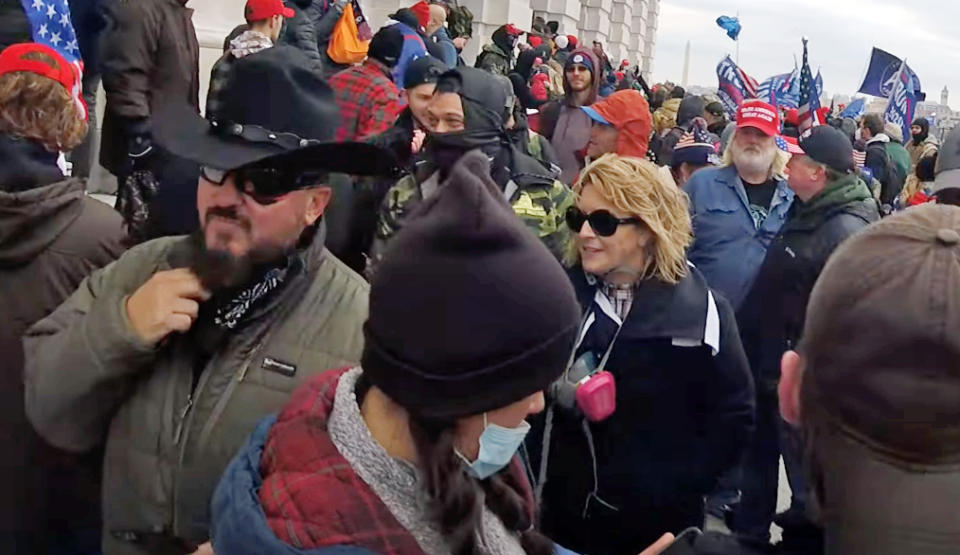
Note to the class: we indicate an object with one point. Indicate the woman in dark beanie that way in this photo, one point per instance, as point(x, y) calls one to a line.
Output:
point(414, 451)
point(684, 396)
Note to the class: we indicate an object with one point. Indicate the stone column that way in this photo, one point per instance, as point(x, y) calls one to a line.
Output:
point(638, 29)
point(650, 38)
point(595, 22)
point(565, 12)
point(490, 14)
point(621, 23)
point(377, 11)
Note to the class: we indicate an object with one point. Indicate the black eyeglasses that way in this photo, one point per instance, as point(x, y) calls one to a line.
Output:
point(602, 222)
point(265, 185)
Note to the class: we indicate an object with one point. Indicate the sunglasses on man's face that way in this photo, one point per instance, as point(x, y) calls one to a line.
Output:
point(602, 222)
point(265, 185)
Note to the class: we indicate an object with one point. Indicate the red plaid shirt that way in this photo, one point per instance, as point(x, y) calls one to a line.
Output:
point(369, 102)
point(313, 498)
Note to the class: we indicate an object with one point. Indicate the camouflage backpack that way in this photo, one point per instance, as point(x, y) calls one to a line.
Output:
point(459, 21)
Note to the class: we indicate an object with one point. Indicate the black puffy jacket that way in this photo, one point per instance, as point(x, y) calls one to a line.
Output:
point(772, 315)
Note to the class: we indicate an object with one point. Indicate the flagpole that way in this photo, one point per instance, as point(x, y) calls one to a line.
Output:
point(738, 40)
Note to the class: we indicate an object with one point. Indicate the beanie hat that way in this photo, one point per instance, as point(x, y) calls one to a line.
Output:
point(572, 41)
point(534, 41)
point(407, 17)
point(386, 45)
point(579, 58)
point(422, 10)
point(469, 312)
point(695, 147)
point(893, 131)
point(561, 41)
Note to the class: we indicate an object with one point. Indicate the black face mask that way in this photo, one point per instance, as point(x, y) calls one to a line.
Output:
point(483, 129)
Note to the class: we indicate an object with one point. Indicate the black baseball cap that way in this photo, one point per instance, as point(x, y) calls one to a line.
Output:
point(830, 147)
point(423, 70)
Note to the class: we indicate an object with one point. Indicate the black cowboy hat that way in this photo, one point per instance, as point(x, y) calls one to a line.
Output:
point(276, 109)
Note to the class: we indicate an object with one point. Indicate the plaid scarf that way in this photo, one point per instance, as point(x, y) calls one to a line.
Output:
point(621, 296)
point(229, 314)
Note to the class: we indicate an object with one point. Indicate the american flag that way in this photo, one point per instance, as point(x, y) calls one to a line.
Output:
point(809, 100)
point(750, 84)
point(50, 25)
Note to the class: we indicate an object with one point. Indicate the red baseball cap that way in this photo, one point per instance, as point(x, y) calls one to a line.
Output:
point(14, 59)
point(258, 10)
point(759, 115)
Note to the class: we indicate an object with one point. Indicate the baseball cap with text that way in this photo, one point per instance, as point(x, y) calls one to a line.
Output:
point(759, 115)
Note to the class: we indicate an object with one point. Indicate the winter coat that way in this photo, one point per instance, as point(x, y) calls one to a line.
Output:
point(927, 147)
point(310, 30)
point(566, 126)
point(772, 315)
point(150, 56)
point(413, 48)
point(312, 491)
point(248, 42)
point(537, 198)
point(14, 25)
point(684, 413)
point(690, 108)
point(493, 59)
point(447, 49)
point(51, 236)
point(665, 117)
point(168, 438)
point(901, 159)
point(884, 169)
point(727, 246)
point(367, 100)
point(238, 523)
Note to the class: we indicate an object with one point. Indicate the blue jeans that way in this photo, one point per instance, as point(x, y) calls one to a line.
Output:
point(761, 471)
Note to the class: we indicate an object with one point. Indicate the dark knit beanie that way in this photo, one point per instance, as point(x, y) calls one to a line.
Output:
point(387, 45)
point(469, 312)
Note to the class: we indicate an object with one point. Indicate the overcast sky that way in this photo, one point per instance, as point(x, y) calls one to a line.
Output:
point(841, 34)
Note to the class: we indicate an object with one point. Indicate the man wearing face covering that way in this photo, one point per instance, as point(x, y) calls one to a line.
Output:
point(497, 57)
point(467, 113)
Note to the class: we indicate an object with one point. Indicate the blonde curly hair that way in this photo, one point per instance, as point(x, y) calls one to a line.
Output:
point(637, 187)
point(36, 107)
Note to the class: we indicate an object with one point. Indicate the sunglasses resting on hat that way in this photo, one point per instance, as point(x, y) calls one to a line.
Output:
point(602, 222)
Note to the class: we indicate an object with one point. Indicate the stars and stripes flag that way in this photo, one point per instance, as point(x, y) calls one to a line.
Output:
point(735, 85)
point(50, 25)
point(809, 100)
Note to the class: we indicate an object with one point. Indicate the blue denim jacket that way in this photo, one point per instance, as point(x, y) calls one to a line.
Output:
point(728, 248)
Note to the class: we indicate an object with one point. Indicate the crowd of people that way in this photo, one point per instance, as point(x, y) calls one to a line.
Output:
point(403, 305)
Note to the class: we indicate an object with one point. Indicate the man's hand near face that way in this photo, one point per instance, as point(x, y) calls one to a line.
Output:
point(168, 302)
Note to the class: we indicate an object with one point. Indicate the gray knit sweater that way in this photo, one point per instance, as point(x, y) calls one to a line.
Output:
point(397, 482)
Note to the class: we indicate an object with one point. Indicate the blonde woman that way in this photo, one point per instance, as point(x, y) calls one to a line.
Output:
point(684, 396)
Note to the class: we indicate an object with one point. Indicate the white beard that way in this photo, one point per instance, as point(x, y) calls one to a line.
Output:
point(753, 162)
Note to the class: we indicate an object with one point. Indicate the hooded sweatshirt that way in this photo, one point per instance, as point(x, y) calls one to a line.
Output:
point(248, 42)
point(51, 236)
point(566, 125)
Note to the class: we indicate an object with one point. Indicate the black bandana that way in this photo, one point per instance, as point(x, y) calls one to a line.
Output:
point(229, 313)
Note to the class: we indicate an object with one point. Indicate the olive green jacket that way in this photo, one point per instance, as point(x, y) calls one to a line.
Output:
point(88, 376)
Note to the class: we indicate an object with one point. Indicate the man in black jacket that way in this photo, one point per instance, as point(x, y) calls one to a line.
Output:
point(878, 160)
point(833, 205)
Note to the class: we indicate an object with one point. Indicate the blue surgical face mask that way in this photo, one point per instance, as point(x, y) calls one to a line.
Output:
point(498, 445)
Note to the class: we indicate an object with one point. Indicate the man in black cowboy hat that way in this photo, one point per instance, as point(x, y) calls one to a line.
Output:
point(174, 352)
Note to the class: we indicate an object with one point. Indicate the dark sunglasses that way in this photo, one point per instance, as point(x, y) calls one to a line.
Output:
point(602, 222)
point(265, 185)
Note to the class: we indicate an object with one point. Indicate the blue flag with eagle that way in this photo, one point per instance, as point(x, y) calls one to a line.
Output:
point(50, 25)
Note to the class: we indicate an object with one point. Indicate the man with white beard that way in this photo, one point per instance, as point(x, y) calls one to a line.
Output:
point(738, 208)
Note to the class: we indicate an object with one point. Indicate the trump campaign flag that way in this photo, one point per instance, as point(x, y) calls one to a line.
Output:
point(855, 109)
point(50, 25)
point(735, 85)
point(809, 99)
point(903, 101)
point(882, 75)
point(781, 90)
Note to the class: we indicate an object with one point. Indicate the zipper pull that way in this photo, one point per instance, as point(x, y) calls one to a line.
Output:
point(183, 418)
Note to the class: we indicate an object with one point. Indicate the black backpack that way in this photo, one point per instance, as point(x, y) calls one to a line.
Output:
point(890, 182)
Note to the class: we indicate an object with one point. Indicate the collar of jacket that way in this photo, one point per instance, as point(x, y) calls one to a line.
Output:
point(845, 195)
point(731, 178)
point(26, 165)
point(494, 49)
point(378, 66)
point(659, 310)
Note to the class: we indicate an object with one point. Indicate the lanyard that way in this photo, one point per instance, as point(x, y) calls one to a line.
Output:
point(587, 322)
